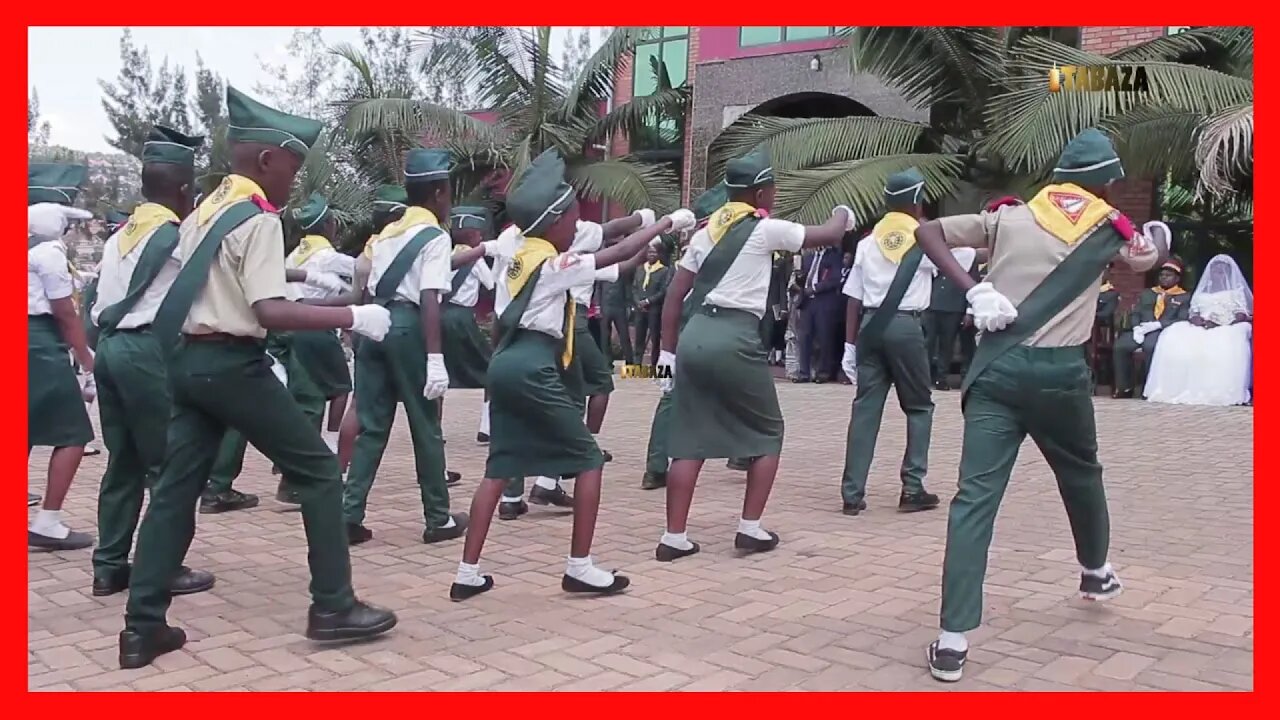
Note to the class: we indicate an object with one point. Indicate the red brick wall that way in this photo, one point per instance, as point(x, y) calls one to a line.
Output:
point(687, 165)
point(1131, 197)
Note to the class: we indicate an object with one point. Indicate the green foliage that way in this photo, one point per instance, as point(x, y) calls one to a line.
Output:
point(141, 97)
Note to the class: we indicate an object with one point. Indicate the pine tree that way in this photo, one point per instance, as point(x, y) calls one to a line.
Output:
point(138, 98)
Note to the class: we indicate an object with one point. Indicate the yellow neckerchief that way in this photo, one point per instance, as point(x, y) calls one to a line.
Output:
point(532, 253)
point(145, 218)
point(77, 285)
point(413, 215)
point(368, 245)
point(1106, 286)
point(309, 245)
point(1068, 211)
point(234, 188)
point(649, 270)
point(895, 234)
point(726, 217)
point(1161, 294)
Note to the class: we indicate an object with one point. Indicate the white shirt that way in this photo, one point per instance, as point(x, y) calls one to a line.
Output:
point(559, 274)
point(48, 277)
point(116, 273)
point(469, 292)
point(872, 274)
point(430, 270)
point(326, 260)
point(746, 284)
point(812, 281)
point(588, 238)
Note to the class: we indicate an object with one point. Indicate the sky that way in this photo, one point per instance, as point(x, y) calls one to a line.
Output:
point(64, 65)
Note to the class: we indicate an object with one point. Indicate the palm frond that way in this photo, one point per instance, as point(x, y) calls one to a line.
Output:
point(1168, 48)
point(596, 80)
point(800, 143)
point(1225, 152)
point(631, 184)
point(807, 196)
point(416, 117)
point(641, 113)
point(1154, 139)
point(930, 64)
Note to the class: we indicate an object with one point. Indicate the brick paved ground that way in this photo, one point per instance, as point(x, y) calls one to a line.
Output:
point(844, 603)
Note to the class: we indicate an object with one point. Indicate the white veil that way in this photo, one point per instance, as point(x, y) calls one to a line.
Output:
point(1222, 290)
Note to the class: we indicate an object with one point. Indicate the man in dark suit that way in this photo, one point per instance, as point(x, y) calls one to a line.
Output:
point(650, 290)
point(820, 303)
point(1158, 308)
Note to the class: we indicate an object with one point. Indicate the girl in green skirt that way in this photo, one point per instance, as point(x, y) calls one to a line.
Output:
point(727, 406)
point(537, 426)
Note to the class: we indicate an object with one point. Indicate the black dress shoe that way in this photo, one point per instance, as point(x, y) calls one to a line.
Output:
point(1122, 394)
point(941, 384)
point(608, 456)
point(357, 534)
point(73, 541)
point(739, 464)
point(189, 582)
point(33, 499)
point(915, 502)
point(287, 495)
point(800, 379)
point(92, 451)
point(452, 478)
point(458, 592)
point(512, 510)
point(653, 481)
point(139, 649)
point(574, 585)
point(356, 622)
point(755, 545)
point(666, 553)
point(482, 438)
point(539, 495)
point(854, 508)
point(227, 502)
point(117, 581)
point(435, 535)
point(820, 379)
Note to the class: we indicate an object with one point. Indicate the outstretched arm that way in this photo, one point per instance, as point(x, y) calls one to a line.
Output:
point(633, 244)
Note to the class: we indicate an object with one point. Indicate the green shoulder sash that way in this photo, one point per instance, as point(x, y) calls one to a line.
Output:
point(151, 261)
point(385, 292)
point(460, 277)
point(872, 333)
point(716, 264)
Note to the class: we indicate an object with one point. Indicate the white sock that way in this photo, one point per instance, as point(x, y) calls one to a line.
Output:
point(484, 418)
point(512, 498)
point(1101, 572)
point(752, 529)
point(49, 524)
point(953, 641)
point(583, 569)
point(449, 524)
point(679, 541)
point(546, 483)
point(330, 439)
point(468, 575)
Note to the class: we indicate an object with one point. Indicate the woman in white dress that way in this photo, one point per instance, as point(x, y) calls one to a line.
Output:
point(1208, 360)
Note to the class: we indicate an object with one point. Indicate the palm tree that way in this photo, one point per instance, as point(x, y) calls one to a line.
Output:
point(537, 108)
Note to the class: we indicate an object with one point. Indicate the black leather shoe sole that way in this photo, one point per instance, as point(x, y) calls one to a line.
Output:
point(854, 508)
point(458, 593)
point(558, 497)
point(755, 545)
point(913, 504)
point(336, 630)
point(452, 478)
point(608, 456)
point(286, 496)
point(652, 481)
point(482, 438)
point(357, 534)
point(73, 541)
point(666, 553)
point(106, 587)
point(138, 650)
point(190, 582)
point(511, 510)
point(739, 464)
point(435, 535)
point(213, 505)
point(574, 585)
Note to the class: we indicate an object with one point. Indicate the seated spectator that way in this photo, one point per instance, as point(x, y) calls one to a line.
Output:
point(1158, 308)
point(1108, 301)
point(1209, 359)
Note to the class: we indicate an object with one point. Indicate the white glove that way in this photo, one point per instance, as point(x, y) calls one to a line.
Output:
point(992, 311)
point(646, 216)
point(850, 362)
point(508, 242)
point(851, 222)
point(492, 248)
point(326, 281)
point(48, 221)
point(372, 321)
point(88, 388)
point(667, 375)
point(656, 243)
point(1139, 244)
point(278, 369)
point(682, 219)
point(1144, 329)
point(1160, 234)
point(437, 377)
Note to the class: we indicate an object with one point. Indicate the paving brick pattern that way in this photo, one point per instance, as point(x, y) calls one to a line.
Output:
point(844, 603)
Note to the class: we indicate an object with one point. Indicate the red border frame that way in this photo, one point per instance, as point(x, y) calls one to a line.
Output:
point(13, 43)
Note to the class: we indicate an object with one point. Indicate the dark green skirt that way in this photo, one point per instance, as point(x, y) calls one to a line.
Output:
point(535, 426)
point(595, 371)
point(725, 403)
point(466, 349)
point(320, 352)
point(56, 415)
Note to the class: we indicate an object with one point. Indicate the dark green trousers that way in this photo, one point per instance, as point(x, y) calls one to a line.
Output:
point(1044, 393)
point(942, 329)
point(134, 403)
point(900, 360)
point(229, 462)
point(217, 386)
point(389, 373)
point(1123, 360)
point(656, 459)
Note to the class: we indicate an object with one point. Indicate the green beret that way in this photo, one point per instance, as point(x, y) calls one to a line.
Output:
point(471, 218)
point(904, 189)
point(1089, 160)
point(250, 121)
point(427, 165)
point(389, 198)
point(313, 212)
point(541, 196)
point(54, 183)
point(752, 170)
point(115, 219)
point(166, 145)
point(710, 201)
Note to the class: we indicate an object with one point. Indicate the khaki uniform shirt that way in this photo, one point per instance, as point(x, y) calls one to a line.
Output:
point(248, 267)
point(1022, 256)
